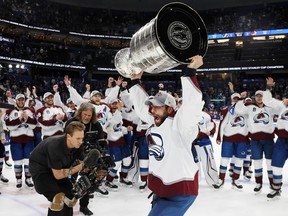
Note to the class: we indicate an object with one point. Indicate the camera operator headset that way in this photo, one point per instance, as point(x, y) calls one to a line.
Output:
point(86, 114)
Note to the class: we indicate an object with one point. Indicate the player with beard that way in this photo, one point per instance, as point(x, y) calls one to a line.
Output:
point(261, 131)
point(173, 174)
point(21, 122)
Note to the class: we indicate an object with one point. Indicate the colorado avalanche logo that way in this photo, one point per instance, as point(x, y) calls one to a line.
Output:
point(201, 122)
point(238, 121)
point(155, 144)
point(284, 115)
point(261, 118)
point(117, 127)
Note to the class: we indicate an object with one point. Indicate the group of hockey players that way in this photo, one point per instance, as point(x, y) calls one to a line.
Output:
point(246, 133)
point(32, 120)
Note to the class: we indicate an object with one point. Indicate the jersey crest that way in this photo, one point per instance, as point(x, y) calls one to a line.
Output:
point(155, 144)
point(238, 121)
point(262, 117)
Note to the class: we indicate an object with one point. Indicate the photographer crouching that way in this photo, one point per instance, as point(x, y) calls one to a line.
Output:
point(51, 162)
point(93, 132)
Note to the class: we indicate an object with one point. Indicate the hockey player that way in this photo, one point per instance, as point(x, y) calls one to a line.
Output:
point(118, 149)
point(204, 149)
point(280, 150)
point(100, 105)
point(21, 122)
point(139, 145)
point(51, 117)
point(232, 133)
point(261, 132)
point(173, 175)
point(70, 108)
point(34, 103)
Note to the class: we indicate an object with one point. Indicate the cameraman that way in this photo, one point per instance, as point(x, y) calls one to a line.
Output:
point(86, 114)
point(51, 162)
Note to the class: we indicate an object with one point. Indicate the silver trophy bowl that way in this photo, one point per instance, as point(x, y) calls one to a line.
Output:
point(175, 35)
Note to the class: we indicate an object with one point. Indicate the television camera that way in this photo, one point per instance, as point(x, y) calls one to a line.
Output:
point(96, 166)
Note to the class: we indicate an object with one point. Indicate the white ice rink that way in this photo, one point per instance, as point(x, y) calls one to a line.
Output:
point(131, 202)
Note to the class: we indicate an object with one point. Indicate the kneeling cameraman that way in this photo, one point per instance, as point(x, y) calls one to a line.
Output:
point(86, 114)
point(51, 162)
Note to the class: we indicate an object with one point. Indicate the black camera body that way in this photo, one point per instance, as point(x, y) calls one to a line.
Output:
point(90, 176)
point(90, 180)
point(91, 142)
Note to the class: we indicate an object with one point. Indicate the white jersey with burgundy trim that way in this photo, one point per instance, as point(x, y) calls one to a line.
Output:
point(170, 143)
point(114, 127)
point(20, 129)
point(46, 118)
point(260, 119)
point(232, 124)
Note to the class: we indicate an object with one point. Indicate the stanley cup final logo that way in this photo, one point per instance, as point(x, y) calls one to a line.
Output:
point(175, 35)
point(179, 35)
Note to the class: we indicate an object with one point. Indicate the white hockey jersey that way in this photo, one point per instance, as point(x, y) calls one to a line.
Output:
point(260, 120)
point(172, 170)
point(233, 126)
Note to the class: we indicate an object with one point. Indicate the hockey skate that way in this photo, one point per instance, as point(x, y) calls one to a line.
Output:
point(19, 183)
point(3, 179)
point(8, 164)
point(273, 195)
point(247, 176)
point(111, 186)
point(102, 192)
point(28, 182)
point(219, 184)
point(236, 184)
point(258, 188)
point(143, 186)
point(126, 182)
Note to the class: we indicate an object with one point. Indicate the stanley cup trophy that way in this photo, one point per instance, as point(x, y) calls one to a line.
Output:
point(170, 39)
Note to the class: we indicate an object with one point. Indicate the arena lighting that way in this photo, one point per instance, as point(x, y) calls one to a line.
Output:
point(210, 36)
point(22, 66)
point(28, 26)
point(259, 38)
point(273, 37)
point(223, 40)
point(17, 66)
point(10, 66)
point(100, 36)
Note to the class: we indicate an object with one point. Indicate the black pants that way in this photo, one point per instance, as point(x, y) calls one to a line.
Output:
point(48, 186)
point(84, 201)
